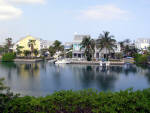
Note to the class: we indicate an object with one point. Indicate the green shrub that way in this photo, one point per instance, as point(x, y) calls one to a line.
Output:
point(7, 57)
point(141, 59)
point(84, 101)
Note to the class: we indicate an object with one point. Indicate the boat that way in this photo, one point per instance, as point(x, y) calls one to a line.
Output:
point(52, 61)
point(63, 61)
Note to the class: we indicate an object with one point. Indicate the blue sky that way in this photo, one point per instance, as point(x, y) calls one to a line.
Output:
point(60, 19)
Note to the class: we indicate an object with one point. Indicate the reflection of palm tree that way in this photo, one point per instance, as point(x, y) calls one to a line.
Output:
point(106, 42)
point(130, 69)
point(106, 82)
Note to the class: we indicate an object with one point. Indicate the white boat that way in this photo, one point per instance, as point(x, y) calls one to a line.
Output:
point(63, 61)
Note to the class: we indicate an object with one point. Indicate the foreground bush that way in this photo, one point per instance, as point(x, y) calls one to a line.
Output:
point(85, 101)
point(8, 57)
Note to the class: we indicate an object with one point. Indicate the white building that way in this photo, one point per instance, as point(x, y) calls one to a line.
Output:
point(101, 54)
point(68, 45)
point(142, 43)
point(45, 44)
point(77, 51)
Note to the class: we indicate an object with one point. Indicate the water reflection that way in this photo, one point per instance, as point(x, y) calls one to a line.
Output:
point(44, 78)
point(28, 69)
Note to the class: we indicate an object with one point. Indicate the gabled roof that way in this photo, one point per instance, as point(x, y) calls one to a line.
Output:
point(26, 37)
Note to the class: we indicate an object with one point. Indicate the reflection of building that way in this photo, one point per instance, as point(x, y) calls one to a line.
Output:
point(142, 43)
point(27, 70)
point(77, 51)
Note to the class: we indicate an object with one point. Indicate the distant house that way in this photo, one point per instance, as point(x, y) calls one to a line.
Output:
point(45, 44)
point(142, 43)
point(24, 43)
point(39, 44)
point(102, 54)
point(68, 45)
point(77, 51)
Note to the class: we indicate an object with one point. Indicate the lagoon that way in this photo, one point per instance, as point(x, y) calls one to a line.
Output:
point(43, 78)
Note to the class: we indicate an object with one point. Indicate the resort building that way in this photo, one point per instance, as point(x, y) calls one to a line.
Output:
point(142, 43)
point(77, 51)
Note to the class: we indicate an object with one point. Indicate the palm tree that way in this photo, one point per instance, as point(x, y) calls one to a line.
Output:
point(19, 49)
point(106, 41)
point(89, 45)
point(8, 44)
point(31, 44)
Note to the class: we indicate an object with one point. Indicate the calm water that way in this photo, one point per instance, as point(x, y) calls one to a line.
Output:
point(39, 79)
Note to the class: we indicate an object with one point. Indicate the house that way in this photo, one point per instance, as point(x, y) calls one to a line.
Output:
point(102, 54)
point(142, 43)
point(24, 43)
point(68, 45)
point(45, 44)
point(78, 52)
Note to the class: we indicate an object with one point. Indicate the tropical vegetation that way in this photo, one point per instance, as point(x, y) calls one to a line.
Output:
point(105, 42)
point(89, 47)
point(56, 47)
point(141, 58)
point(19, 51)
point(8, 57)
point(31, 44)
point(8, 45)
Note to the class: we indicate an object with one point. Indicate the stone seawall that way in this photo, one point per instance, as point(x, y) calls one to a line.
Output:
point(96, 62)
point(28, 60)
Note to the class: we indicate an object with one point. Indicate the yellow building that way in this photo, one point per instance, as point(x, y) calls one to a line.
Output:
point(24, 42)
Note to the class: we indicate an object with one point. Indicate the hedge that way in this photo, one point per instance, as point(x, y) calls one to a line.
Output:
point(83, 101)
point(8, 57)
point(141, 59)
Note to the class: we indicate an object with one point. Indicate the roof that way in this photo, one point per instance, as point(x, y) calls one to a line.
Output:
point(79, 38)
point(26, 37)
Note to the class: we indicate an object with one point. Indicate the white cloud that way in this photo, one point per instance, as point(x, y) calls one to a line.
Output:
point(104, 12)
point(8, 11)
point(27, 1)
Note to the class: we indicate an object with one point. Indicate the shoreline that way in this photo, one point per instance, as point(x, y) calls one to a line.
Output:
point(96, 62)
point(28, 60)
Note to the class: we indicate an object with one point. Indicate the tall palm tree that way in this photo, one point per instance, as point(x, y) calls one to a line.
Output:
point(8, 44)
point(31, 44)
point(89, 45)
point(106, 41)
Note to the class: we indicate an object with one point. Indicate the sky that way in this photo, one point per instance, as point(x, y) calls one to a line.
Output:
point(61, 19)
